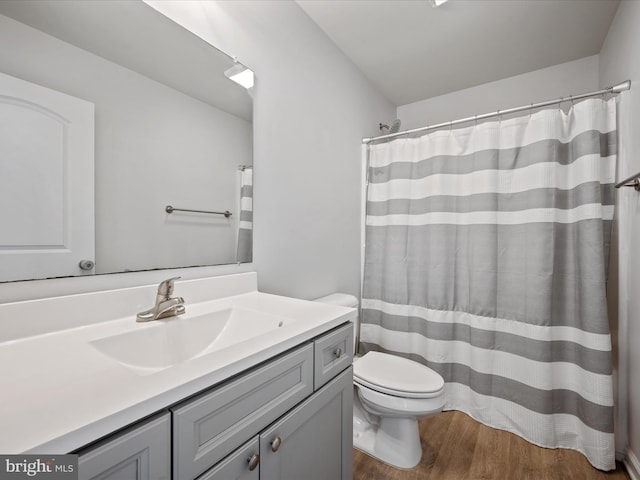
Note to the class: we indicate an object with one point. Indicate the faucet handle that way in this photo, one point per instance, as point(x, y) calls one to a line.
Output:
point(166, 286)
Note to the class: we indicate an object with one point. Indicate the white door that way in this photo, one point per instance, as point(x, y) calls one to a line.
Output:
point(46, 182)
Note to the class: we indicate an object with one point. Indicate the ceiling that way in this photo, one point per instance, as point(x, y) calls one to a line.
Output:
point(411, 51)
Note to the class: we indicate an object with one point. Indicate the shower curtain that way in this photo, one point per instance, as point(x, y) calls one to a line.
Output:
point(485, 259)
point(244, 253)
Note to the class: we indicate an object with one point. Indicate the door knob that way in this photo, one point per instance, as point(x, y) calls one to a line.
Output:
point(86, 264)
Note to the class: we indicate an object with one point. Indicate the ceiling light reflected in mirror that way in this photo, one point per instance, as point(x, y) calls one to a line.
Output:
point(241, 75)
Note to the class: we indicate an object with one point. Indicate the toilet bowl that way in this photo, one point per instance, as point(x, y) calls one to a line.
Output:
point(390, 394)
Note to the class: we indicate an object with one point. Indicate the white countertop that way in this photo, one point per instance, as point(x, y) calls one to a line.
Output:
point(59, 393)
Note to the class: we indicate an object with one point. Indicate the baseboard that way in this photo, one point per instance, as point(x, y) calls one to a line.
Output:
point(632, 465)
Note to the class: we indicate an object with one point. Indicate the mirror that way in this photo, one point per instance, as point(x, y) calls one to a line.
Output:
point(170, 129)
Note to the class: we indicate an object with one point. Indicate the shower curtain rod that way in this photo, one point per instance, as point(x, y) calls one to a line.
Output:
point(614, 89)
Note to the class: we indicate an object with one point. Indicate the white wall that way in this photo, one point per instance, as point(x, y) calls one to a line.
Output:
point(578, 76)
point(619, 61)
point(312, 107)
point(154, 146)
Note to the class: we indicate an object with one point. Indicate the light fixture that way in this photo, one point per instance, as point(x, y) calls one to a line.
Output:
point(436, 3)
point(241, 75)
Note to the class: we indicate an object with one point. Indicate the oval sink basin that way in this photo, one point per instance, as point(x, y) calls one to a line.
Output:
point(164, 343)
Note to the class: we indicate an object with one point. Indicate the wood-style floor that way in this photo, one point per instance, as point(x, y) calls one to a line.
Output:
point(456, 447)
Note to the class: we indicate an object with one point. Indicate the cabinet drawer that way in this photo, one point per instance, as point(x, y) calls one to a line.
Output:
point(142, 452)
point(332, 354)
point(209, 427)
point(243, 464)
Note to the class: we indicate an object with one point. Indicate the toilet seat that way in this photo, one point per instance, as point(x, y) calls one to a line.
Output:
point(397, 376)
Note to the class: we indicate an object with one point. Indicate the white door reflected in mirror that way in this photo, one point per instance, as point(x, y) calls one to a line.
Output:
point(46, 146)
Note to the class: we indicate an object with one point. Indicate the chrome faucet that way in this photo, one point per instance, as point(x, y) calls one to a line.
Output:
point(165, 306)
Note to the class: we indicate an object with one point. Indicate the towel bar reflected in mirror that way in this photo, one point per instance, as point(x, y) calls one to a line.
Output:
point(170, 209)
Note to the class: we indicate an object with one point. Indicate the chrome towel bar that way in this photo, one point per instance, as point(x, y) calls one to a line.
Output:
point(170, 209)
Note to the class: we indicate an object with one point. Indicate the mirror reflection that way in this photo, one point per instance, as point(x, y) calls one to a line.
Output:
point(109, 113)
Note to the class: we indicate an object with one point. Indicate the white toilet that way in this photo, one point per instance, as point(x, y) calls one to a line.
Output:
point(390, 394)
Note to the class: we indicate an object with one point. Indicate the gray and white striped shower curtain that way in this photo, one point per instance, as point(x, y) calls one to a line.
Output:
point(486, 252)
point(244, 252)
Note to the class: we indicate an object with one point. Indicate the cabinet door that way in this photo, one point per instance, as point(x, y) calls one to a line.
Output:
point(314, 441)
point(140, 453)
point(240, 465)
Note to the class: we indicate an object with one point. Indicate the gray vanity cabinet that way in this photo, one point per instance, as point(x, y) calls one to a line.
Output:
point(313, 441)
point(289, 418)
point(139, 453)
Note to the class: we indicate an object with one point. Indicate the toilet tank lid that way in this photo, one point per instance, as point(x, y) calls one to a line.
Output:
point(341, 299)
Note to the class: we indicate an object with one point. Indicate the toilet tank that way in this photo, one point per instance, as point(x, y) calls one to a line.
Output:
point(342, 299)
point(345, 300)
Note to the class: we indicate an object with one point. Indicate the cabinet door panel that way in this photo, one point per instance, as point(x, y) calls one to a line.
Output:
point(315, 439)
point(237, 465)
point(140, 453)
